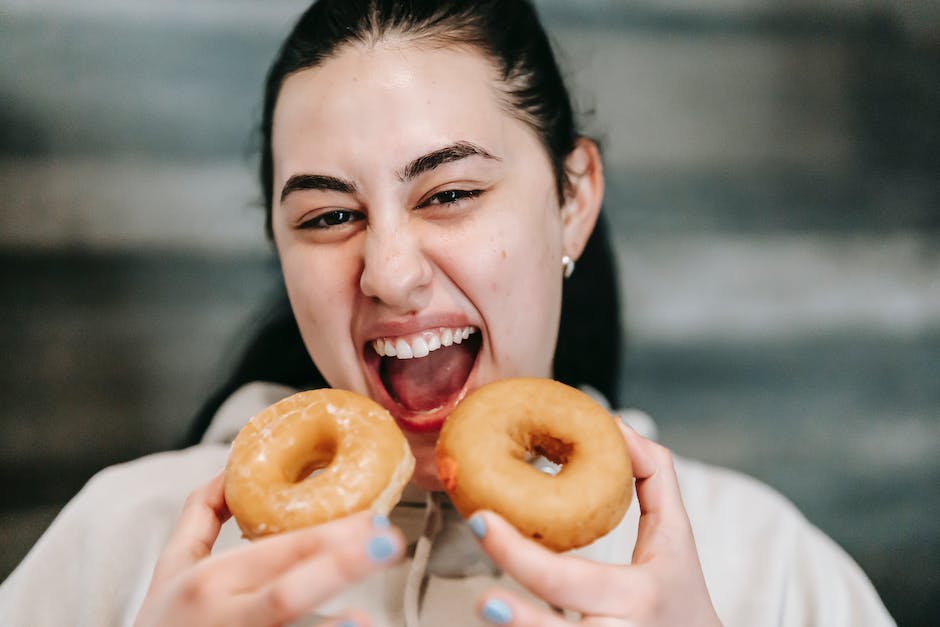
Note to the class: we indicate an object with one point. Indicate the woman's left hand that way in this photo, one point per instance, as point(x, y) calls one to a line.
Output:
point(663, 586)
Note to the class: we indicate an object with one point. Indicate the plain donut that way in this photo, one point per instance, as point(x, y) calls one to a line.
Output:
point(362, 457)
point(486, 445)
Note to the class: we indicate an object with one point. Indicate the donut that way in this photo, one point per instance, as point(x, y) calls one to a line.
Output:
point(486, 447)
point(362, 457)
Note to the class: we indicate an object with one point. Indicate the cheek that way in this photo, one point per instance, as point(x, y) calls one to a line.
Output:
point(526, 253)
point(520, 249)
point(527, 313)
point(319, 286)
point(515, 284)
point(519, 272)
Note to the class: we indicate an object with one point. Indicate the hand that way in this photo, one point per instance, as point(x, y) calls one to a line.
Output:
point(663, 586)
point(271, 581)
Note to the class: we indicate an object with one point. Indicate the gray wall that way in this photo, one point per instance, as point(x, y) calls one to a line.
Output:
point(772, 183)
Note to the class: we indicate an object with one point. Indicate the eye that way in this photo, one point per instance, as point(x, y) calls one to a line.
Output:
point(330, 219)
point(449, 197)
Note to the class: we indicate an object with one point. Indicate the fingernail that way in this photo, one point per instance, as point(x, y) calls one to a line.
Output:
point(477, 526)
point(381, 522)
point(348, 623)
point(380, 549)
point(497, 612)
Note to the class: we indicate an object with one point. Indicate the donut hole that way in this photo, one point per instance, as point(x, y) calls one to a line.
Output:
point(313, 461)
point(543, 464)
point(547, 453)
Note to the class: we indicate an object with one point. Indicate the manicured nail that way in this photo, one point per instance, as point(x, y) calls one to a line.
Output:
point(348, 623)
point(477, 526)
point(380, 549)
point(497, 612)
point(380, 521)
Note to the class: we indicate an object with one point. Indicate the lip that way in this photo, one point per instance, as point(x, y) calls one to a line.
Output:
point(412, 324)
point(417, 422)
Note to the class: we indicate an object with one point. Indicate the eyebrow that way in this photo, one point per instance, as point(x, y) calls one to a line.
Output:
point(454, 152)
point(424, 163)
point(300, 182)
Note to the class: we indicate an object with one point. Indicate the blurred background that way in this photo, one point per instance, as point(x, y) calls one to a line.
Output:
point(773, 180)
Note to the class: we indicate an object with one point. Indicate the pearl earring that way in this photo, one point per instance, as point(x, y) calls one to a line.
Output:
point(568, 264)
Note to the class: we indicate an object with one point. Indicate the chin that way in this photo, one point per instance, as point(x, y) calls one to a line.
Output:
point(422, 447)
point(426, 479)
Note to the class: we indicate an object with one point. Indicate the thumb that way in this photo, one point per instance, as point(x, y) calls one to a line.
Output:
point(563, 580)
point(664, 524)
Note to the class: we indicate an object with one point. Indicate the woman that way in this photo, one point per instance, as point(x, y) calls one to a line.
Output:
point(424, 177)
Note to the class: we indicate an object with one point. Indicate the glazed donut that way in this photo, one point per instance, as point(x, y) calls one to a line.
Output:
point(363, 459)
point(485, 448)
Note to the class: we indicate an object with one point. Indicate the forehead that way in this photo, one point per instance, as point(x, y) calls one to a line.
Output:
point(389, 101)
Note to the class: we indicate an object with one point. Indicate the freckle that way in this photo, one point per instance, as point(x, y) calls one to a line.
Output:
point(503, 254)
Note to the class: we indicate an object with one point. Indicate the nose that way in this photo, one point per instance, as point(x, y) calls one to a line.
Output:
point(395, 270)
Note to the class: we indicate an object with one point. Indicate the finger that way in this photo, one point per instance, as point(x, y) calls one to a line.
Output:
point(250, 565)
point(656, 483)
point(499, 607)
point(196, 531)
point(314, 580)
point(566, 581)
point(664, 525)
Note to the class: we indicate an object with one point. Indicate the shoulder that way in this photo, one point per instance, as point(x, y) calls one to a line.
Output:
point(741, 526)
point(746, 531)
point(139, 501)
point(94, 562)
point(157, 476)
point(716, 498)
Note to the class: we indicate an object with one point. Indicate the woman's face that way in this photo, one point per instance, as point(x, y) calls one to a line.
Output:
point(418, 228)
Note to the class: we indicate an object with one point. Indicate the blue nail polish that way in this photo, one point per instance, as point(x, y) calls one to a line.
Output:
point(497, 612)
point(380, 522)
point(380, 549)
point(477, 526)
point(348, 623)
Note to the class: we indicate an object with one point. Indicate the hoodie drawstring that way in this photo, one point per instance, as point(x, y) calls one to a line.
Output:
point(417, 573)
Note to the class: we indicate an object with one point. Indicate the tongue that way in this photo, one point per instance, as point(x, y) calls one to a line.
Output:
point(429, 382)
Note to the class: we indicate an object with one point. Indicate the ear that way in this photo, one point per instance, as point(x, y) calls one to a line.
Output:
point(583, 196)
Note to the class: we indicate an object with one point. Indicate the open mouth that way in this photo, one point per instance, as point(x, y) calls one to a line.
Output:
point(424, 375)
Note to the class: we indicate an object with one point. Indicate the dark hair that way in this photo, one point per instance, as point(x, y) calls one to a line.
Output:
point(509, 34)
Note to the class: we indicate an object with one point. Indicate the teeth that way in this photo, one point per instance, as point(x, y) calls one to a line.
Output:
point(420, 347)
point(403, 349)
point(423, 344)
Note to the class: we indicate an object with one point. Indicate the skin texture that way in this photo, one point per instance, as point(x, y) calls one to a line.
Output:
point(398, 257)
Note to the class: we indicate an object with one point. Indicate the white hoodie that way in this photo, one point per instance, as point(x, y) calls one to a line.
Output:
point(764, 564)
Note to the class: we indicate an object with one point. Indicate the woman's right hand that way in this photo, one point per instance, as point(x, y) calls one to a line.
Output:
point(271, 581)
point(662, 585)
